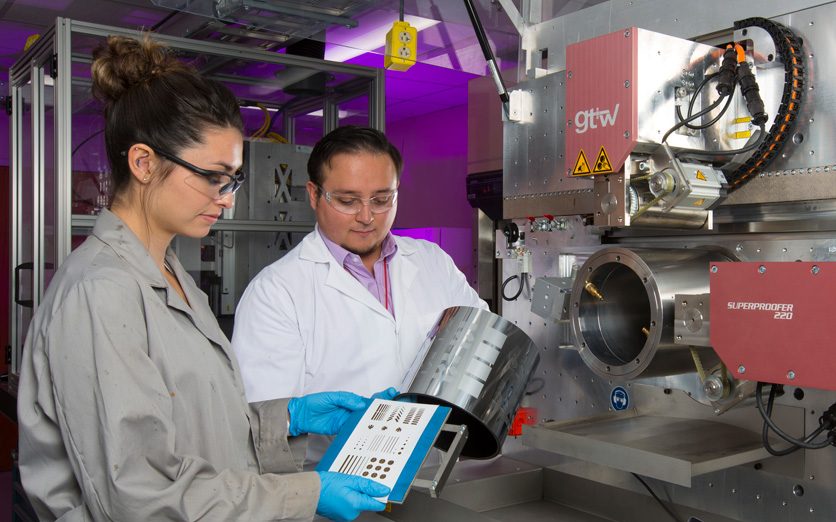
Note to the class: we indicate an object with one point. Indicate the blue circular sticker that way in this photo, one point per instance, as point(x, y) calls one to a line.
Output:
point(619, 399)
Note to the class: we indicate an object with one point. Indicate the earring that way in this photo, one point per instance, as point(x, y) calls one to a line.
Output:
point(146, 178)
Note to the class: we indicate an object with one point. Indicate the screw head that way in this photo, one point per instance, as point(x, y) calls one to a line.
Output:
point(815, 270)
point(713, 388)
point(714, 269)
point(626, 84)
point(761, 269)
point(627, 32)
point(569, 74)
point(791, 375)
point(741, 369)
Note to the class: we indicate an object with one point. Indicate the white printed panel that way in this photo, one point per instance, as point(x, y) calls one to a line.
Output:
point(383, 440)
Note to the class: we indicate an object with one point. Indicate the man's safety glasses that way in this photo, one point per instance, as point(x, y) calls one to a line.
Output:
point(213, 183)
point(352, 205)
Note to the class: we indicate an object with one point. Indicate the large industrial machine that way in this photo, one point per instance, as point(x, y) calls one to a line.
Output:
point(668, 243)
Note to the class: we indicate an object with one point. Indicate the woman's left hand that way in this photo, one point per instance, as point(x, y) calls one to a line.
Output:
point(323, 413)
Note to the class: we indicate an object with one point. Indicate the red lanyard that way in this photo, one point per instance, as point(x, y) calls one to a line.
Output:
point(386, 283)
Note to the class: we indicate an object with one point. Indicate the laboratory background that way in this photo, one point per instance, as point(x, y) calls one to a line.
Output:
point(641, 190)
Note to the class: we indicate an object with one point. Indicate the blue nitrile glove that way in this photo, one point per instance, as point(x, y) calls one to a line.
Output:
point(388, 394)
point(323, 413)
point(343, 497)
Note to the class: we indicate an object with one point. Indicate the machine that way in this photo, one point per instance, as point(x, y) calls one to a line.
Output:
point(667, 241)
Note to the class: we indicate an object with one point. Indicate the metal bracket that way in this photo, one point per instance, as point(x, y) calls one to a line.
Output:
point(514, 15)
point(448, 459)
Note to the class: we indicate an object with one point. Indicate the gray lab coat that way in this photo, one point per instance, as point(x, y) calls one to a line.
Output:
point(131, 406)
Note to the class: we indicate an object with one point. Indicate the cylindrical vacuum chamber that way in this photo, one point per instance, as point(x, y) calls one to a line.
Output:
point(623, 305)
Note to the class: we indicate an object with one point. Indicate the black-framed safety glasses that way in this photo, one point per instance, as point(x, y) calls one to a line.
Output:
point(215, 183)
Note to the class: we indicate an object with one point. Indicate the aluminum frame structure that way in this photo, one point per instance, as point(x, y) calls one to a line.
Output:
point(41, 157)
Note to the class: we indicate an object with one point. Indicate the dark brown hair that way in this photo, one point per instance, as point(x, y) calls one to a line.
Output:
point(151, 97)
point(350, 139)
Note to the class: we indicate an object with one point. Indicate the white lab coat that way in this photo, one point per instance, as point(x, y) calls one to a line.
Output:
point(304, 324)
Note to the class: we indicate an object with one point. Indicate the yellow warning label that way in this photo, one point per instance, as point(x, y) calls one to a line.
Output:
point(581, 165)
point(700, 202)
point(740, 135)
point(701, 176)
point(602, 163)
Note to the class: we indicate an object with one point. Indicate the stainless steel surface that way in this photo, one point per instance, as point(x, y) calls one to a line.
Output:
point(479, 364)
point(484, 229)
point(498, 490)
point(666, 63)
point(782, 215)
point(550, 297)
point(692, 317)
point(533, 151)
point(680, 18)
point(533, 160)
point(629, 332)
point(666, 448)
point(571, 390)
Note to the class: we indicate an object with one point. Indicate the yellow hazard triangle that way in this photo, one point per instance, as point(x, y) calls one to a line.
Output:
point(581, 165)
point(602, 163)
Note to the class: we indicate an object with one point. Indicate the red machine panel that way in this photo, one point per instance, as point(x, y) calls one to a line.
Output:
point(601, 111)
point(775, 322)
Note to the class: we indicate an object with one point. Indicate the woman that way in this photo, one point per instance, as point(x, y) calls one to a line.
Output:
point(130, 402)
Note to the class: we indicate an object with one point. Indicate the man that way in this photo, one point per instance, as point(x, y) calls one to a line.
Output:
point(349, 307)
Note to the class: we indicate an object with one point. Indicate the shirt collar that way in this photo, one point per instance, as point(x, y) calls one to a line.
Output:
point(389, 248)
point(112, 231)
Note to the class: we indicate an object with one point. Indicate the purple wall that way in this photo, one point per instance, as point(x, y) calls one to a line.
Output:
point(434, 148)
point(432, 193)
point(5, 137)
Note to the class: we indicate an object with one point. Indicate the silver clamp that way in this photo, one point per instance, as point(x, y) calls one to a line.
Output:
point(448, 460)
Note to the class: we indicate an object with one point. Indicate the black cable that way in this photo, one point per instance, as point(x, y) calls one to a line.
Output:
point(482, 38)
point(713, 120)
point(807, 442)
point(659, 500)
point(400, 13)
point(697, 91)
point(165, 19)
point(519, 290)
point(694, 117)
point(755, 144)
point(765, 431)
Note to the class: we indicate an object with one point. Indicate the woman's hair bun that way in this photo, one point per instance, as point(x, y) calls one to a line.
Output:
point(124, 62)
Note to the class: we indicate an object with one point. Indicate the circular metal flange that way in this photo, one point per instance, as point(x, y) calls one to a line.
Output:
point(622, 311)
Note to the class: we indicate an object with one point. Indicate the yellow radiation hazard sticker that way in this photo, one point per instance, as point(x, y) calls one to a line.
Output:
point(701, 176)
point(602, 163)
point(581, 165)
